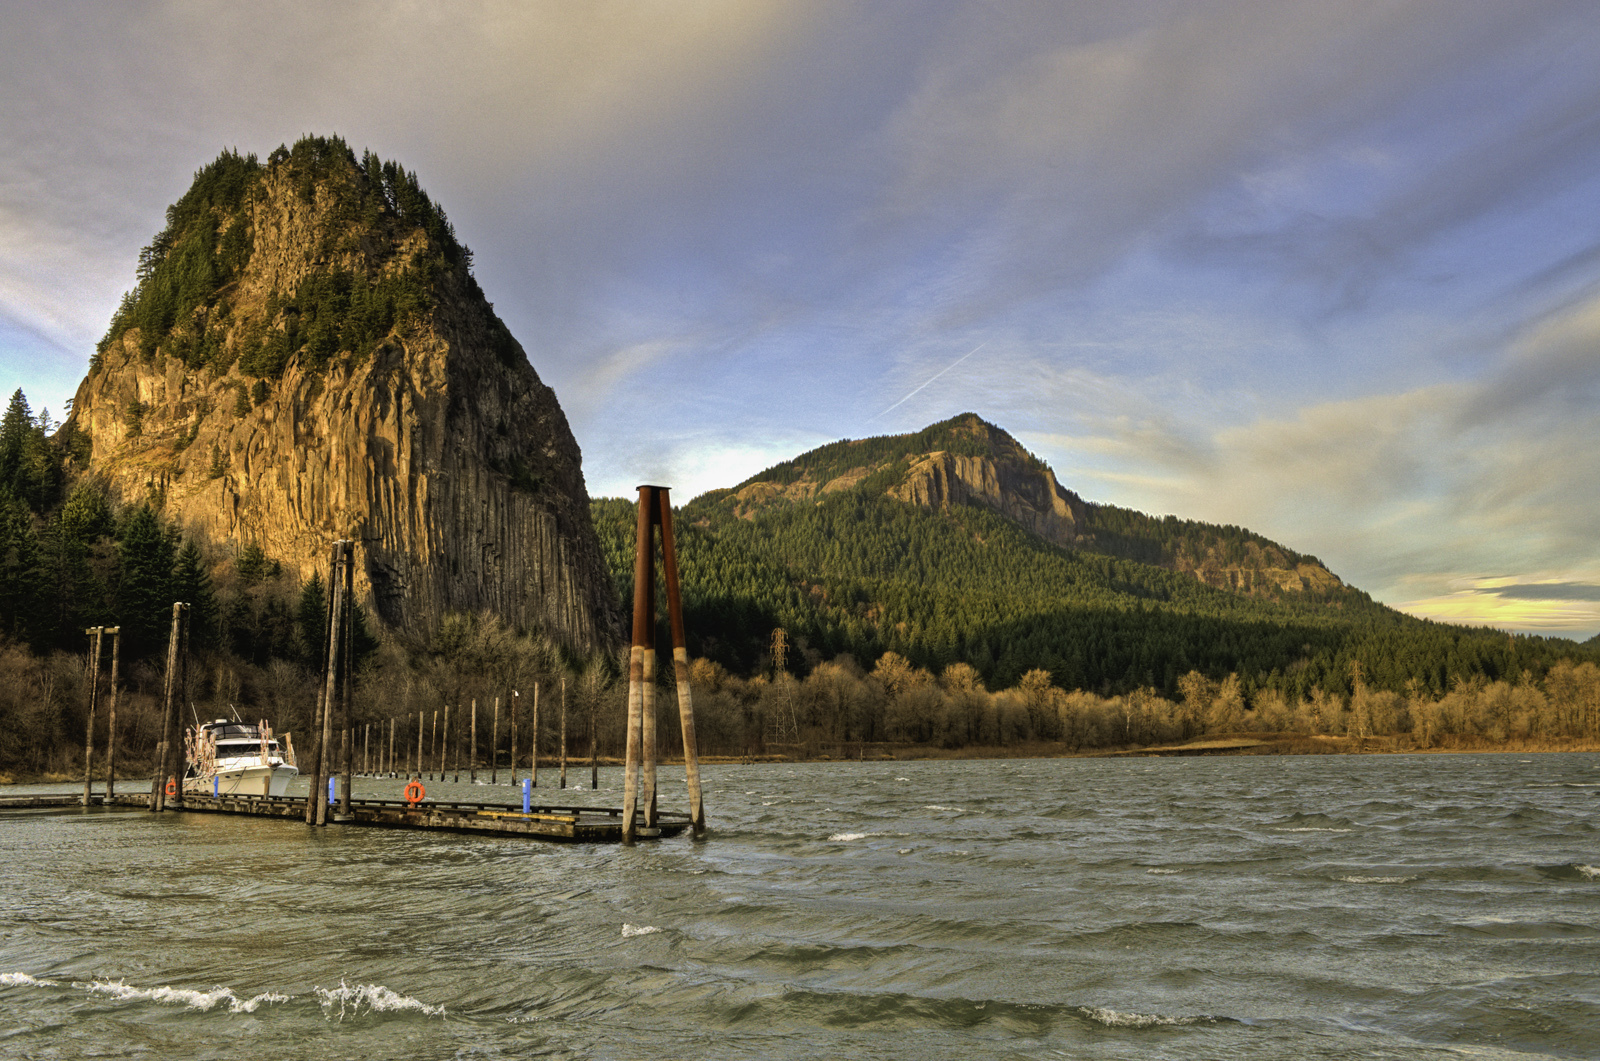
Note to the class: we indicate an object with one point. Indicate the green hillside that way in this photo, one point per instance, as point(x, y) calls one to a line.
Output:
point(852, 570)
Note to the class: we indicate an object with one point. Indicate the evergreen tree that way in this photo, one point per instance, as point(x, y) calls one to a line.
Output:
point(192, 583)
point(144, 590)
point(311, 621)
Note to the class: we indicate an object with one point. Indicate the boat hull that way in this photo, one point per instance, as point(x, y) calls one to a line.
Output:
point(255, 779)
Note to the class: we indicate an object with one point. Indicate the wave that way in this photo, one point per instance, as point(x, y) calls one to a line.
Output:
point(24, 980)
point(1354, 879)
point(1112, 1018)
point(629, 931)
point(200, 1000)
point(352, 1000)
point(355, 999)
point(845, 838)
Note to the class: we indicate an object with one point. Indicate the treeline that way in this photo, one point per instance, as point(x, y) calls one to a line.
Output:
point(840, 704)
point(862, 575)
point(183, 303)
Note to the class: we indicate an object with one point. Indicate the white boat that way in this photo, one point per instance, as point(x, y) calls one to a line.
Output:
point(238, 759)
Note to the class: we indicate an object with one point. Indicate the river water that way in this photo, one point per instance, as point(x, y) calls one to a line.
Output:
point(1251, 907)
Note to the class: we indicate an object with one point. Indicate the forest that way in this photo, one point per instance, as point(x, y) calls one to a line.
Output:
point(909, 633)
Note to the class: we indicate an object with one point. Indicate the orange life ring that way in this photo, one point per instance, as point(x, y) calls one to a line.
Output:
point(415, 792)
point(172, 786)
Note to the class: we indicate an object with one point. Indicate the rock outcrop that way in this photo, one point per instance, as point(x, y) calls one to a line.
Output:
point(307, 358)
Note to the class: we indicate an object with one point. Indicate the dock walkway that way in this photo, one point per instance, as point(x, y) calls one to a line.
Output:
point(561, 824)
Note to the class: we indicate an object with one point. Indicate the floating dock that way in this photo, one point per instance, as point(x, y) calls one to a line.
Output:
point(592, 825)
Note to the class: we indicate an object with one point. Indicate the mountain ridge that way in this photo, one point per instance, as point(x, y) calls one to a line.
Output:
point(967, 459)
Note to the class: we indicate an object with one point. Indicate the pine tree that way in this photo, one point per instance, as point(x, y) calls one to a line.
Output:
point(192, 583)
point(144, 589)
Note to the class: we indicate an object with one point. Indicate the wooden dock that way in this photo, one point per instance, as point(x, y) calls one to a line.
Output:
point(561, 824)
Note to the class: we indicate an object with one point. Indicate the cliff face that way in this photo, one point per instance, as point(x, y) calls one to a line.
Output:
point(308, 358)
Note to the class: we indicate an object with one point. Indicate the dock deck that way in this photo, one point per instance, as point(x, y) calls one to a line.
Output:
point(560, 824)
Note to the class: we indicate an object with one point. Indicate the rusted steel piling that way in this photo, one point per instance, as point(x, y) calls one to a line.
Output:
point(639, 777)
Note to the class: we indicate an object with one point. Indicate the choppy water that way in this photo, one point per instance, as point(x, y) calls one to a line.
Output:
point(1339, 906)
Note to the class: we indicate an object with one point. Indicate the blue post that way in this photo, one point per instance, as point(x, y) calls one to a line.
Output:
point(215, 782)
point(331, 798)
point(527, 795)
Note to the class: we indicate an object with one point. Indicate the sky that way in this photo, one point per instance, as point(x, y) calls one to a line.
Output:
point(1326, 270)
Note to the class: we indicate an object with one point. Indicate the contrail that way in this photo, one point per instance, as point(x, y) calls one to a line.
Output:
point(935, 376)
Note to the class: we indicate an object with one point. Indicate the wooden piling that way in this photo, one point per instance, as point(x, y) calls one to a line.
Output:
point(347, 748)
point(563, 731)
point(366, 749)
point(514, 699)
point(169, 717)
point(392, 770)
point(421, 718)
point(533, 769)
point(680, 667)
point(435, 747)
point(444, 747)
point(494, 746)
point(317, 805)
point(111, 714)
point(95, 633)
point(594, 747)
point(472, 755)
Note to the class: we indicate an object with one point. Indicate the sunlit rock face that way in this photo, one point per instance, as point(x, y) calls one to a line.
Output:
point(309, 358)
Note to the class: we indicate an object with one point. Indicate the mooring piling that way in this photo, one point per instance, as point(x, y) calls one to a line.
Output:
point(563, 731)
point(533, 767)
point(639, 777)
point(111, 714)
point(168, 748)
point(514, 699)
point(322, 751)
point(494, 746)
point(434, 746)
point(680, 666)
point(392, 770)
point(95, 633)
point(472, 754)
point(366, 749)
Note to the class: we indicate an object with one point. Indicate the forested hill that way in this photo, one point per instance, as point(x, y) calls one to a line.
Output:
point(956, 545)
point(967, 460)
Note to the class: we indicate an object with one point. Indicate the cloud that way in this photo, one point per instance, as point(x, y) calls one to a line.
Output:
point(1547, 591)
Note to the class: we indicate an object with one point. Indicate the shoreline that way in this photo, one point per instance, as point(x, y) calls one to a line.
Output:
point(1227, 745)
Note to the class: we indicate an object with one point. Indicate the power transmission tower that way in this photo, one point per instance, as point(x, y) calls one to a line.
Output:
point(785, 727)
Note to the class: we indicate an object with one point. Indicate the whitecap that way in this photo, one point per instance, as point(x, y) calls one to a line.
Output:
point(351, 998)
point(1592, 872)
point(1163, 872)
point(200, 1000)
point(1375, 880)
point(845, 838)
point(629, 931)
point(902, 779)
point(24, 980)
point(1112, 1018)
point(935, 806)
point(1310, 829)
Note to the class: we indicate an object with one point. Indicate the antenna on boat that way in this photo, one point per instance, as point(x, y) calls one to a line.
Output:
point(195, 713)
point(236, 717)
